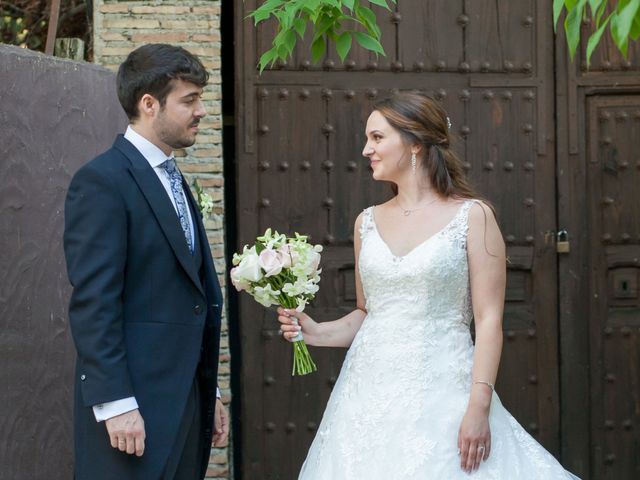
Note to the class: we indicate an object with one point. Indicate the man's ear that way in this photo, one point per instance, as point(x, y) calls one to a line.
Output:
point(148, 106)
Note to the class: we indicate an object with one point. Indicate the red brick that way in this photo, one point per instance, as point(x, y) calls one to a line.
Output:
point(200, 168)
point(200, 37)
point(114, 8)
point(129, 23)
point(188, 25)
point(114, 36)
point(160, 37)
point(214, 10)
point(207, 152)
point(171, 10)
point(211, 182)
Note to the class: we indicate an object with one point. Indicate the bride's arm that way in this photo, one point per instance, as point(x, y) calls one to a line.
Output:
point(487, 274)
point(337, 333)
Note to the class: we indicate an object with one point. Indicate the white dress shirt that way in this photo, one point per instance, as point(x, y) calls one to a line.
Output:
point(156, 158)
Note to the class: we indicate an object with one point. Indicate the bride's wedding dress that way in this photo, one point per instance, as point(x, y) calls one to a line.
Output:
point(396, 408)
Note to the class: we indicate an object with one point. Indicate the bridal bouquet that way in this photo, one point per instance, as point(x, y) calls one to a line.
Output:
point(279, 270)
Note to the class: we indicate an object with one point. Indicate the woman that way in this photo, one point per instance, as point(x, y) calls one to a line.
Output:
point(415, 399)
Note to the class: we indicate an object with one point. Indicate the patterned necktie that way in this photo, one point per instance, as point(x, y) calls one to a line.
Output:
point(175, 178)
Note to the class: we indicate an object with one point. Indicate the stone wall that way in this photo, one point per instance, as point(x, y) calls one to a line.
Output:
point(121, 26)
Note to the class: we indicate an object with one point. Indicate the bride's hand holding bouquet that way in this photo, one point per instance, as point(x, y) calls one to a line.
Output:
point(294, 324)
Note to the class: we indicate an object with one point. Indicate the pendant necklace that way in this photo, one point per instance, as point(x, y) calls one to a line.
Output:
point(407, 211)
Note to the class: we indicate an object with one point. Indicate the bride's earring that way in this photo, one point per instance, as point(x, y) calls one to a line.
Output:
point(413, 162)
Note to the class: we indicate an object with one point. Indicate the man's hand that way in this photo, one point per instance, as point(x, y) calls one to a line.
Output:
point(221, 425)
point(126, 432)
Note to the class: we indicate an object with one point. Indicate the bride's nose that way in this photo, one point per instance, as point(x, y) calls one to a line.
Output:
point(367, 151)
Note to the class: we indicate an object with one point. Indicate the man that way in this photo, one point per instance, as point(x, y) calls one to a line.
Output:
point(146, 303)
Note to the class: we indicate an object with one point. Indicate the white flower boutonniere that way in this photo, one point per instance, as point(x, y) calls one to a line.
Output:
point(205, 202)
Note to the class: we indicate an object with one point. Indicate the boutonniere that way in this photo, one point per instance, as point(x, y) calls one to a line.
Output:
point(205, 202)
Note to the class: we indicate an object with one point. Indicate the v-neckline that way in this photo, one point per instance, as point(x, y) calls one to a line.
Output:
point(425, 241)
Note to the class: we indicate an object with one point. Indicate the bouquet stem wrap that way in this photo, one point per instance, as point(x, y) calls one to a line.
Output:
point(302, 362)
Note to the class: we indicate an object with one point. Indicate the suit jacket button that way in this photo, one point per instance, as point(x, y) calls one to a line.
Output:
point(197, 309)
point(83, 377)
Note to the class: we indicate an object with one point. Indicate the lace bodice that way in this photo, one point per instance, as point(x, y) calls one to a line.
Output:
point(431, 281)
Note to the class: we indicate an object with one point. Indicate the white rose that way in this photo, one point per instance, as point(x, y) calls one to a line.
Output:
point(314, 260)
point(248, 269)
point(237, 281)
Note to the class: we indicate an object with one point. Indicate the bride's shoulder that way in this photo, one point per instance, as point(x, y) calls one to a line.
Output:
point(479, 208)
point(482, 224)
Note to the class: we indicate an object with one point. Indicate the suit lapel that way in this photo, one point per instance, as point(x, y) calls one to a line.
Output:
point(199, 230)
point(161, 205)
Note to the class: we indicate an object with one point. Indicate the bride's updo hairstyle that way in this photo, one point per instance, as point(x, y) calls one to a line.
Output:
point(420, 120)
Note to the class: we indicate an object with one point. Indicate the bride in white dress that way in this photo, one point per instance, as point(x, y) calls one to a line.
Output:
point(415, 398)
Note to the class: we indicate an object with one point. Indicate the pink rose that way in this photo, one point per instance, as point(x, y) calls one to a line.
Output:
point(270, 262)
point(286, 256)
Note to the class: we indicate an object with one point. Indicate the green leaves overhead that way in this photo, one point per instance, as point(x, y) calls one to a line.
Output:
point(330, 21)
point(622, 17)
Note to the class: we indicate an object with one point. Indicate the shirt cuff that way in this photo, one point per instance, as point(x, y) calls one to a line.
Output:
point(105, 411)
point(218, 393)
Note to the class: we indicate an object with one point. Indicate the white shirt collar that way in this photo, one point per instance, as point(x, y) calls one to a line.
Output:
point(149, 151)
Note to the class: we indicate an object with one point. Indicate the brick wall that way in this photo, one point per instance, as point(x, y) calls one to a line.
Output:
point(121, 26)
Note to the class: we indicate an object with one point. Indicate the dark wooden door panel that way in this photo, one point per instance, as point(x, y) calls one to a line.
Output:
point(301, 144)
point(613, 177)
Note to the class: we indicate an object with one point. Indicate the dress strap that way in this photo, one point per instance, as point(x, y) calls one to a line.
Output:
point(460, 225)
point(367, 222)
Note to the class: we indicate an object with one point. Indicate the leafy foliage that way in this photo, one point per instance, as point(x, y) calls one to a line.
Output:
point(623, 20)
point(330, 20)
point(24, 22)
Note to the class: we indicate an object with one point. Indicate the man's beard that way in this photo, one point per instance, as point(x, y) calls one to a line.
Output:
point(169, 135)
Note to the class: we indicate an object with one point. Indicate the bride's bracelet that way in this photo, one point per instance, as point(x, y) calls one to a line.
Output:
point(490, 385)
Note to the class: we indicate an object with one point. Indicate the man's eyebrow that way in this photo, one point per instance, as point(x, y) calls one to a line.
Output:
point(192, 94)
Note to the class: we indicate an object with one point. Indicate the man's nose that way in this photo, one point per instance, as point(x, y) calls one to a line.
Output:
point(200, 111)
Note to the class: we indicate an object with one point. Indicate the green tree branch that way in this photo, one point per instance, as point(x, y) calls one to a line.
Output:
point(339, 21)
point(622, 17)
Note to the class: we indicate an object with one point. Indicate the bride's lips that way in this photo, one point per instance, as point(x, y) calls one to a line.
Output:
point(373, 163)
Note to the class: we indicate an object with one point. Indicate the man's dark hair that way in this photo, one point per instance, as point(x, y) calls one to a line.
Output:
point(151, 69)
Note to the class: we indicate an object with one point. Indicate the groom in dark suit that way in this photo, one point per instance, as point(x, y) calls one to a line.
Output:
point(146, 303)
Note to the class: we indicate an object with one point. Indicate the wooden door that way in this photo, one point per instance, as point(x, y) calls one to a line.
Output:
point(598, 112)
point(613, 177)
point(300, 133)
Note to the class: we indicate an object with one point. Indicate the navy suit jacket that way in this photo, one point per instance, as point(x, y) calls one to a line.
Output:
point(145, 319)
